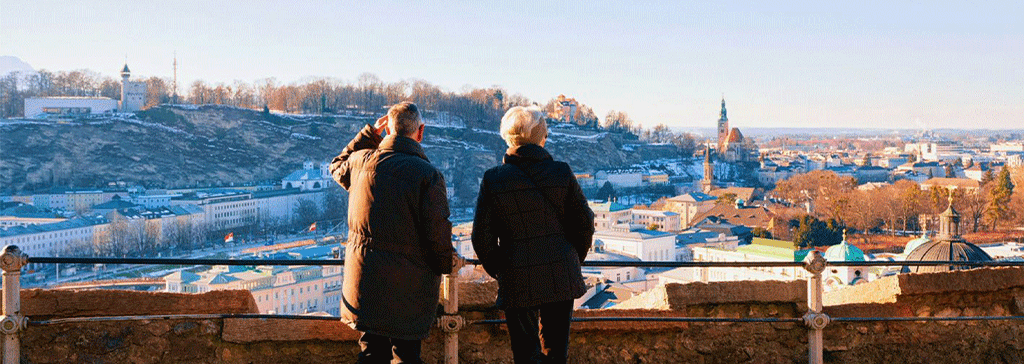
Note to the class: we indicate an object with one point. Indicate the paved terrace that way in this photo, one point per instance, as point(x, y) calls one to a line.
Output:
point(980, 292)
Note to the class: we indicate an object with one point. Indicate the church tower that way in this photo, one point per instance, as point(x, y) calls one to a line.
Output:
point(723, 128)
point(708, 182)
point(125, 73)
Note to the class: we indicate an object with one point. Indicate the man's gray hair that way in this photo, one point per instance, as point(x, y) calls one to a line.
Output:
point(404, 118)
point(524, 125)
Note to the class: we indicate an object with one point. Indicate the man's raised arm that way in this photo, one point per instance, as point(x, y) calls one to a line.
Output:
point(367, 139)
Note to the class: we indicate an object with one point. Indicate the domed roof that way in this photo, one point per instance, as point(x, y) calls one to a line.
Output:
point(945, 250)
point(913, 244)
point(844, 252)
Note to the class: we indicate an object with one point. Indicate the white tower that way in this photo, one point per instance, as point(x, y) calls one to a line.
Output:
point(125, 73)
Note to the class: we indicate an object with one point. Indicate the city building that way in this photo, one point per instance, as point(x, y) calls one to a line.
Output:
point(70, 106)
point(738, 213)
point(654, 178)
point(586, 180)
point(620, 177)
point(152, 199)
point(1007, 147)
point(865, 174)
point(745, 194)
point(941, 151)
point(759, 250)
point(978, 170)
point(697, 237)
point(25, 215)
point(837, 277)
point(278, 207)
point(613, 274)
point(45, 240)
point(646, 245)
point(689, 205)
point(225, 209)
point(309, 178)
point(660, 220)
point(280, 290)
point(930, 169)
point(608, 214)
point(963, 184)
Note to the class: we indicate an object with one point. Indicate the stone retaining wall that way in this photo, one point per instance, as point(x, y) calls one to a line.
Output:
point(997, 292)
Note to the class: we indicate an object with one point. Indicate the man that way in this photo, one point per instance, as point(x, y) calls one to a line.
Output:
point(399, 239)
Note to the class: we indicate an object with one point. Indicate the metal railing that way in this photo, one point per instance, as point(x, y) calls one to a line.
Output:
point(12, 322)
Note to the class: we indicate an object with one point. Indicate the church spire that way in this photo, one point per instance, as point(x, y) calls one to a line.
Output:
point(708, 182)
point(723, 116)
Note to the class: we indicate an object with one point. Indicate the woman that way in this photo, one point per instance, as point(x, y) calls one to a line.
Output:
point(532, 230)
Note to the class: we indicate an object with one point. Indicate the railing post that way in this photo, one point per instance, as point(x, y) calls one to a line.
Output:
point(451, 322)
point(815, 319)
point(12, 322)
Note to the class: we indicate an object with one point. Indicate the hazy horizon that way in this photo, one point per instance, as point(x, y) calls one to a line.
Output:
point(779, 66)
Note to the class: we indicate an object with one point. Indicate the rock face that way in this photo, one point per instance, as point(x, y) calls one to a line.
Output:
point(218, 145)
point(998, 293)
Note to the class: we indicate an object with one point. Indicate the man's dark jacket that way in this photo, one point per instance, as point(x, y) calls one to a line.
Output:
point(532, 228)
point(399, 239)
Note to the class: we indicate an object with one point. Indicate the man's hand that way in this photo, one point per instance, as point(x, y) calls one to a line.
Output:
point(457, 263)
point(381, 126)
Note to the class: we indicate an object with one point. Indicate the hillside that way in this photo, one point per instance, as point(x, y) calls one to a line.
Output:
point(176, 146)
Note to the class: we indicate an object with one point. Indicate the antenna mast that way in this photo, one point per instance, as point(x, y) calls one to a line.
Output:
point(174, 82)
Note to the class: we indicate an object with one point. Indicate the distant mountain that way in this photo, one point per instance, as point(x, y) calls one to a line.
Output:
point(10, 64)
point(179, 146)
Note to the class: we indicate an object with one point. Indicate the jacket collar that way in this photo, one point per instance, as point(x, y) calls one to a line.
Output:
point(526, 153)
point(402, 144)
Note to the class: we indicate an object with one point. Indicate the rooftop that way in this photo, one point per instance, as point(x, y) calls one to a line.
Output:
point(607, 206)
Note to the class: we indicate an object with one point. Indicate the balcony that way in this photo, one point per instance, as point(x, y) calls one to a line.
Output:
point(959, 317)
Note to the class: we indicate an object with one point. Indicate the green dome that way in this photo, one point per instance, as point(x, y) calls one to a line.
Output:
point(913, 244)
point(844, 252)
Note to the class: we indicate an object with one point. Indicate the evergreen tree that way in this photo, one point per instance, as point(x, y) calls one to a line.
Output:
point(813, 232)
point(606, 193)
point(1001, 193)
point(987, 177)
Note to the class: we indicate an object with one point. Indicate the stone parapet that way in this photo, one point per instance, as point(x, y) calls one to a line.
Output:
point(41, 304)
point(308, 341)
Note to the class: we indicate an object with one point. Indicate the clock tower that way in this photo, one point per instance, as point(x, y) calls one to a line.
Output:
point(723, 129)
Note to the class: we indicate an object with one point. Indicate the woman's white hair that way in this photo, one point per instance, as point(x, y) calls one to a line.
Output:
point(524, 125)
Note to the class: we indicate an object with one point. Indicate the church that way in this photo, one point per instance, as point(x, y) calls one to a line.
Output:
point(732, 146)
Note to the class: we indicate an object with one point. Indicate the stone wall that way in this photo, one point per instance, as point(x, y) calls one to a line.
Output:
point(994, 292)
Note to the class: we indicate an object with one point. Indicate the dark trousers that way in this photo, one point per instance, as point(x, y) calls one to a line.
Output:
point(381, 349)
point(540, 334)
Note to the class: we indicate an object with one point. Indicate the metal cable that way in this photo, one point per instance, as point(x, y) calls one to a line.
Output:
point(648, 264)
point(71, 320)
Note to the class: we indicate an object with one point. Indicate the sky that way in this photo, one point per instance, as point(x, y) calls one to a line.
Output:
point(888, 64)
